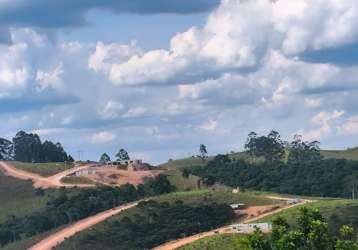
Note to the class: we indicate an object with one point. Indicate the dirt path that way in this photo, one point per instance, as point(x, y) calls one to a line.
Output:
point(57, 238)
point(40, 181)
point(226, 229)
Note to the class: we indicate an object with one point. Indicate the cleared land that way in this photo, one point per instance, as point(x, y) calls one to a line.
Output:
point(76, 180)
point(349, 154)
point(42, 182)
point(220, 241)
point(43, 169)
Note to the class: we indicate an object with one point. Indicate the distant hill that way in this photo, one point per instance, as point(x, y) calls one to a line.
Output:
point(349, 154)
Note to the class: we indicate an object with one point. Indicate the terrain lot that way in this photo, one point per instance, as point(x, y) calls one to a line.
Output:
point(43, 169)
point(221, 241)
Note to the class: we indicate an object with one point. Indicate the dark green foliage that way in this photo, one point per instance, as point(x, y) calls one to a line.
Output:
point(312, 234)
point(155, 224)
point(300, 151)
point(69, 208)
point(271, 147)
point(203, 152)
point(28, 148)
point(104, 158)
point(327, 178)
point(122, 155)
point(6, 149)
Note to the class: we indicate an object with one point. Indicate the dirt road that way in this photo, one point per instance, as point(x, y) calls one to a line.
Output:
point(40, 181)
point(226, 229)
point(57, 238)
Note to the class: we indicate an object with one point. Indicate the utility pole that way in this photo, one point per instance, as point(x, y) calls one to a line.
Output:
point(80, 153)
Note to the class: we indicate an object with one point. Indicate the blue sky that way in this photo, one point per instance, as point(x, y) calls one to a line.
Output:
point(161, 78)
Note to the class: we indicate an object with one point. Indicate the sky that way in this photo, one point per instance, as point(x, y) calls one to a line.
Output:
point(159, 77)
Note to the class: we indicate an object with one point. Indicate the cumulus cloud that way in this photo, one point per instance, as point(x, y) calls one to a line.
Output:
point(325, 122)
point(349, 127)
point(111, 110)
point(229, 40)
point(102, 137)
point(50, 78)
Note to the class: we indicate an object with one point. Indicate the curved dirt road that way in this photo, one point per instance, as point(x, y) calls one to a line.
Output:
point(40, 181)
point(226, 229)
point(57, 238)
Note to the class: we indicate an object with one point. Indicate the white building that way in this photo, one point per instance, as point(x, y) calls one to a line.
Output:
point(84, 172)
point(238, 206)
point(250, 228)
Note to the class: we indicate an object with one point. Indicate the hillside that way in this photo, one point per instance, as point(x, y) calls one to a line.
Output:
point(349, 154)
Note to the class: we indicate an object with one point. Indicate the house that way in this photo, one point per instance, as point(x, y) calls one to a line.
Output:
point(84, 172)
point(238, 206)
point(249, 228)
point(131, 165)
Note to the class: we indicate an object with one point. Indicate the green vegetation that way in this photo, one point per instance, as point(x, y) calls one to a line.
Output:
point(181, 183)
point(19, 198)
point(220, 241)
point(218, 194)
point(349, 154)
point(68, 208)
point(43, 169)
point(154, 224)
point(77, 180)
point(336, 212)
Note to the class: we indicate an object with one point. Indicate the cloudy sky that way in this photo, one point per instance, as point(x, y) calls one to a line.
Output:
point(159, 77)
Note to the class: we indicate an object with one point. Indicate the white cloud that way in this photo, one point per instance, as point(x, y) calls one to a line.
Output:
point(49, 79)
point(111, 110)
point(324, 121)
point(134, 112)
point(102, 137)
point(349, 127)
point(48, 131)
point(313, 102)
point(209, 126)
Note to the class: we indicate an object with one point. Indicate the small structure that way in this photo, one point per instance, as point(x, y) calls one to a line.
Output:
point(293, 201)
point(249, 228)
point(84, 172)
point(238, 206)
point(131, 165)
point(236, 190)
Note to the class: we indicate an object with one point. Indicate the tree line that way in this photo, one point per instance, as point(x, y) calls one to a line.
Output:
point(68, 207)
point(293, 168)
point(154, 224)
point(27, 147)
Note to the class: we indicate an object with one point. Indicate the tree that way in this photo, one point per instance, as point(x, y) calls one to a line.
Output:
point(203, 152)
point(122, 155)
point(27, 147)
point(104, 158)
point(52, 152)
point(300, 151)
point(271, 147)
point(6, 150)
point(70, 158)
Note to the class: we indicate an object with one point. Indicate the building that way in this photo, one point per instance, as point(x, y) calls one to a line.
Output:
point(84, 172)
point(249, 228)
point(238, 206)
point(293, 201)
point(131, 165)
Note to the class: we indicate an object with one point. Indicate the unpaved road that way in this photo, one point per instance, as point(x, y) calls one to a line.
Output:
point(40, 181)
point(57, 238)
point(226, 229)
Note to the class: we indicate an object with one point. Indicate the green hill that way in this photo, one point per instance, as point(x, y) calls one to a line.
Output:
point(349, 154)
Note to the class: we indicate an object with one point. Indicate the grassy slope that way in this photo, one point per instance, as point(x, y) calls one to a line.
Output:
point(337, 212)
point(44, 169)
point(77, 180)
point(18, 197)
point(350, 154)
point(218, 194)
point(222, 242)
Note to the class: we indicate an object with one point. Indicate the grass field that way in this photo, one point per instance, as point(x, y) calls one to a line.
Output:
point(18, 197)
point(219, 194)
point(349, 154)
point(337, 212)
point(182, 184)
point(43, 169)
point(222, 242)
point(77, 180)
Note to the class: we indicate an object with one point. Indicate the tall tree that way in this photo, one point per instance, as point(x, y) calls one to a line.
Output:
point(300, 151)
point(271, 147)
point(6, 150)
point(203, 151)
point(104, 158)
point(27, 147)
point(122, 155)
